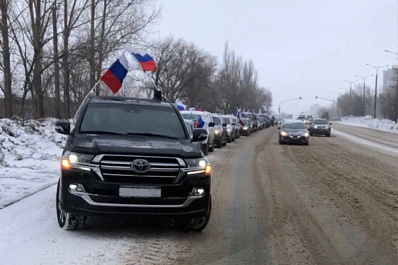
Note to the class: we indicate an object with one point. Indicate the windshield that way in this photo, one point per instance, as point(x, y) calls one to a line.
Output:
point(301, 117)
point(216, 120)
point(245, 120)
point(192, 117)
point(131, 119)
point(297, 126)
point(320, 122)
point(227, 120)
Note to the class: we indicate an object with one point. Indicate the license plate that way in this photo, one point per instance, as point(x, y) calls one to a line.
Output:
point(141, 192)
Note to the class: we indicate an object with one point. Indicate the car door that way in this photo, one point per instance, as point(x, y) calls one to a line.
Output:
point(211, 129)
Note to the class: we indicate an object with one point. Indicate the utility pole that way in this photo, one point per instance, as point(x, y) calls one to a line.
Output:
point(375, 100)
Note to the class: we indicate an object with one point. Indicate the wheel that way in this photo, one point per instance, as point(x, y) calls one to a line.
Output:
point(280, 141)
point(211, 149)
point(197, 223)
point(219, 143)
point(328, 135)
point(310, 133)
point(205, 149)
point(69, 221)
point(306, 143)
point(228, 139)
point(224, 143)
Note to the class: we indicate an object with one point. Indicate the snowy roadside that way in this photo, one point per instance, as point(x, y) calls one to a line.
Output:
point(370, 122)
point(29, 158)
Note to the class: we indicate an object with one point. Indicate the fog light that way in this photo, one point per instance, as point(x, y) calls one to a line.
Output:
point(76, 187)
point(65, 163)
point(198, 192)
point(208, 169)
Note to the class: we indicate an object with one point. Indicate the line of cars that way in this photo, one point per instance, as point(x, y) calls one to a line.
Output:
point(299, 130)
point(222, 129)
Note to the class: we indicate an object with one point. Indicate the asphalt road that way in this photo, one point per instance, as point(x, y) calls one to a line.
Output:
point(332, 202)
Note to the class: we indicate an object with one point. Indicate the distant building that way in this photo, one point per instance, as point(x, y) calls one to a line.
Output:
point(389, 78)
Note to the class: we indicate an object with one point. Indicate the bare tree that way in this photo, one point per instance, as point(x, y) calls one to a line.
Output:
point(8, 110)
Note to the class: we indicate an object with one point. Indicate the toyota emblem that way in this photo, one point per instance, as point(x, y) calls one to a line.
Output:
point(140, 165)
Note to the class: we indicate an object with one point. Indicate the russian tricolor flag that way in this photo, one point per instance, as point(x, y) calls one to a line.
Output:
point(114, 76)
point(181, 106)
point(146, 61)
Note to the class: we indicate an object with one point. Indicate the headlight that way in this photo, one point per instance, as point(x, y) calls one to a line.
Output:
point(69, 159)
point(196, 162)
point(217, 131)
point(245, 127)
point(284, 133)
point(327, 127)
point(306, 134)
point(229, 129)
point(316, 127)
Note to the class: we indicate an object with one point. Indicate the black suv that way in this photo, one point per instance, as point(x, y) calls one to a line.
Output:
point(132, 156)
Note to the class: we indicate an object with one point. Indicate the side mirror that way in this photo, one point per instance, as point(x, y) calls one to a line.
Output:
point(233, 124)
point(279, 128)
point(224, 125)
point(199, 135)
point(330, 123)
point(211, 124)
point(62, 127)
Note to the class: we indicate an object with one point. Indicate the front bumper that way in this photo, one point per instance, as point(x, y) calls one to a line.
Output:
point(293, 139)
point(320, 131)
point(102, 197)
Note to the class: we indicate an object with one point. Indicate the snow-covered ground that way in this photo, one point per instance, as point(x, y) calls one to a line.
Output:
point(29, 158)
point(370, 122)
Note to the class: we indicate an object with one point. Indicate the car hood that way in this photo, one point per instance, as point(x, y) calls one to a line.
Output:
point(115, 144)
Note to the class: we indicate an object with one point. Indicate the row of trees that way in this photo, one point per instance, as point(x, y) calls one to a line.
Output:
point(361, 101)
point(54, 51)
point(191, 75)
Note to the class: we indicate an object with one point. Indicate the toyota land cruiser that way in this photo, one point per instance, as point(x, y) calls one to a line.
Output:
point(132, 156)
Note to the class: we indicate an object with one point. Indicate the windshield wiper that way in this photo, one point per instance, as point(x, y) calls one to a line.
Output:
point(103, 132)
point(153, 134)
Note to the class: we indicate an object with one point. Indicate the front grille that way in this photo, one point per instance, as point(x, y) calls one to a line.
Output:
point(119, 169)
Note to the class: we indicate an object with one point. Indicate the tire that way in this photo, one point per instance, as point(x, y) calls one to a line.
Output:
point(328, 135)
point(205, 149)
point(211, 149)
point(219, 144)
point(306, 143)
point(68, 221)
point(224, 143)
point(280, 141)
point(197, 223)
point(228, 139)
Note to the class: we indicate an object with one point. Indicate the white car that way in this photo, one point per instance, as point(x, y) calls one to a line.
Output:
point(202, 119)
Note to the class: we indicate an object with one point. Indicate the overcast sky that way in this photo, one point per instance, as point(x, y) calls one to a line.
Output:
point(299, 47)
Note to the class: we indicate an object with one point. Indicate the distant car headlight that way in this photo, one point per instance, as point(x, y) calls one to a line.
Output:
point(284, 133)
point(316, 127)
point(229, 129)
point(245, 127)
point(327, 127)
point(196, 162)
point(217, 131)
point(306, 134)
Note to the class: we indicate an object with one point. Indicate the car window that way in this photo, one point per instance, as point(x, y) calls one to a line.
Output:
point(297, 126)
point(130, 119)
point(227, 120)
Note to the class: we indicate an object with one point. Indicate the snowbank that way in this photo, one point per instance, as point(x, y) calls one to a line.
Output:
point(29, 157)
point(370, 122)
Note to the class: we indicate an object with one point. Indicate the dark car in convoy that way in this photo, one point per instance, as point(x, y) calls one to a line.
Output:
point(128, 156)
point(246, 128)
point(220, 131)
point(293, 131)
point(320, 127)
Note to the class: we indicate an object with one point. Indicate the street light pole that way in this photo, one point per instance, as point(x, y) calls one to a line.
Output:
point(353, 81)
point(377, 67)
point(363, 93)
point(279, 108)
point(316, 97)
